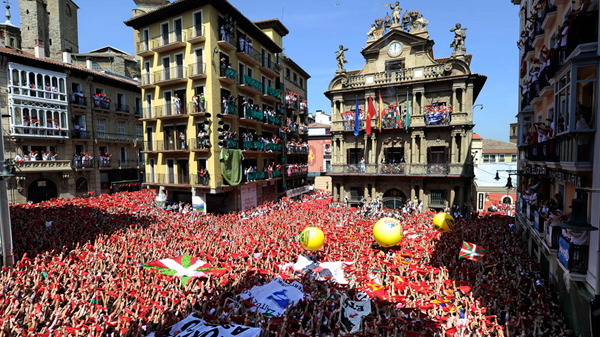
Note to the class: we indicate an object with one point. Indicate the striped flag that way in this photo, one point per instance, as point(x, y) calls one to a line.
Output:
point(379, 113)
point(471, 251)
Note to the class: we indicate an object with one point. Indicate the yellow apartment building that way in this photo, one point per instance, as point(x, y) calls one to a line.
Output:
point(212, 90)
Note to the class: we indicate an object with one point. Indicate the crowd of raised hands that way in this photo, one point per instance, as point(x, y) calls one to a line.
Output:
point(80, 272)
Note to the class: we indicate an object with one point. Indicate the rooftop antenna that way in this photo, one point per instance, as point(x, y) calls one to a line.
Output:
point(8, 16)
point(282, 10)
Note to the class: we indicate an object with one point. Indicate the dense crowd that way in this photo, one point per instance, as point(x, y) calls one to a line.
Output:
point(80, 271)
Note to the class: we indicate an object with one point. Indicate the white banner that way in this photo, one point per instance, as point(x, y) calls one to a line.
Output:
point(248, 196)
point(274, 297)
point(353, 312)
point(194, 326)
point(322, 271)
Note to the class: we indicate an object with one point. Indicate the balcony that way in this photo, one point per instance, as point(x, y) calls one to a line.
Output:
point(105, 163)
point(171, 179)
point(195, 34)
point(249, 56)
point(272, 147)
point(230, 111)
point(270, 68)
point(583, 29)
point(251, 86)
point(252, 146)
point(138, 111)
point(44, 166)
point(169, 76)
point(122, 108)
point(297, 150)
point(228, 76)
point(170, 111)
point(147, 116)
point(292, 171)
point(552, 236)
point(573, 257)
point(78, 99)
point(197, 71)
point(143, 49)
point(38, 131)
point(397, 76)
point(149, 147)
point(166, 42)
point(173, 145)
point(81, 163)
point(273, 120)
point(272, 95)
point(225, 42)
point(253, 115)
point(230, 143)
point(124, 163)
point(276, 174)
point(253, 176)
point(197, 109)
point(103, 105)
point(147, 81)
point(198, 180)
point(115, 137)
point(546, 151)
point(81, 134)
point(199, 145)
point(441, 170)
point(437, 119)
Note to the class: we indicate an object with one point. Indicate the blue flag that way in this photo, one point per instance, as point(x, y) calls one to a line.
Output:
point(356, 119)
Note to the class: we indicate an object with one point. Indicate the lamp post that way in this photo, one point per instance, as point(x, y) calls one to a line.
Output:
point(477, 105)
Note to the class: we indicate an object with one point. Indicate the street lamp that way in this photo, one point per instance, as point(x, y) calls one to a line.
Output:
point(477, 105)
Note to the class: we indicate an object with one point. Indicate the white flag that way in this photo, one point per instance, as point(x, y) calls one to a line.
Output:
point(353, 312)
point(274, 297)
point(194, 326)
point(322, 271)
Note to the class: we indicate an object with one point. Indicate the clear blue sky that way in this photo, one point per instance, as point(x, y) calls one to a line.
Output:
point(317, 27)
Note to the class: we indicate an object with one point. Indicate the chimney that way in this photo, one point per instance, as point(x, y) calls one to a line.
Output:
point(67, 57)
point(89, 64)
point(39, 49)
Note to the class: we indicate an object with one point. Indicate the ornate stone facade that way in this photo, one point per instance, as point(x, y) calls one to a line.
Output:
point(420, 147)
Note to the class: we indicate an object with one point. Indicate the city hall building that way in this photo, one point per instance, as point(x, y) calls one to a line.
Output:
point(419, 145)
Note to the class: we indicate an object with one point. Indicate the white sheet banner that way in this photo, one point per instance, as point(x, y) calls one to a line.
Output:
point(194, 326)
point(353, 312)
point(322, 271)
point(274, 297)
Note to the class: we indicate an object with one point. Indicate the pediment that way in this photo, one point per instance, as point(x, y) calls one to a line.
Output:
point(395, 35)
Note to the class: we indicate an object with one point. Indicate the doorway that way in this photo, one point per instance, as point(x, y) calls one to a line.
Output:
point(42, 190)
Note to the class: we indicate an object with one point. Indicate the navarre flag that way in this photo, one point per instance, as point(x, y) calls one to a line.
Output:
point(185, 267)
point(471, 251)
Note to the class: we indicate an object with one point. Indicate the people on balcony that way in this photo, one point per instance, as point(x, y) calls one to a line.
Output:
point(102, 101)
point(177, 104)
point(198, 102)
point(203, 176)
point(296, 169)
point(203, 141)
point(294, 146)
point(227, 101)
point(104, 159)
point(182, 141)
point(77, 98)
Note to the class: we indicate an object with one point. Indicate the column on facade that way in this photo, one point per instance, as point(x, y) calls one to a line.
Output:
point(423, 150)
point(366, 192)
point(454, 102)
point(463, 100)
point(463, 147)
point(453, 149)
point(373, 149)
point(413, 192)
point(366, 153)
point(335, 190)
point(413, 150)
point(452, 196)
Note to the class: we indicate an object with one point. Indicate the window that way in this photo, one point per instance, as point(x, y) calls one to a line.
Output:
point(513, 158)
point(395, 155)
point(121, 128)
point(585, 98)
point(123, 155)
point(437, 199)
point(301, 82)
point(12, 42)
point(438, 155)
point(354, 156)
point(501, 158)
point(295, 78)
point(138, 105)
point(101, 128)
point(287, 73)
point(121, 102)
point(139, 131)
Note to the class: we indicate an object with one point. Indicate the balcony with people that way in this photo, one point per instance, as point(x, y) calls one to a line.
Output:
point(245, 51)
point(40, 161)
point(39, 122)
point(574, 242)
point(437, 115)
point(175, 140)
point(293, 170)
point(28, 84)
point(227, 74)
point(250, 86)
point(297, 147)
point(103, 102)
point(83, 160)
point(229, 105)
point(78, 98)
point(104, 160)
point(201, 179)
point(197, 107)
point(291, 100)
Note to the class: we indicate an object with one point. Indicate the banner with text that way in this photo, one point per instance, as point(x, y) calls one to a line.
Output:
point(194, 326)
point(274, 297)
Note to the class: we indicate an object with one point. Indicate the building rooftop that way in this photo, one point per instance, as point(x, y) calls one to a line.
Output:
point(495, 146)
point(318, 125)
point(31, 59)
point(275, 24)
point(485, 174)
point(476, 136)
point(180, 6)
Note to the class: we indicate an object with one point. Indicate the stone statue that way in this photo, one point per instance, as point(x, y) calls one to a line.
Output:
point(387, 21)
point(396, 9)
point(341, 59)
point(371, 32)
point(422, 22)
point(459, 40)
point(406, 21)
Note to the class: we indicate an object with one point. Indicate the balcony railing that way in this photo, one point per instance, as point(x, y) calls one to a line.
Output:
point(396, 76)
point(274, 147)
point(104, 162)
point(115, 137)
point(166, 39)
point(196, 179)
point(273, 120)
point(295, 171)
point(78, 99)
point(253, 146)
point(168, 74)
point(127, 163)
point(149, 146)
point(200, 144)
point(228, 73)
point(122, 108)
point(231, 109)
point(573, 257)
point(196, 31)
point(253, 83)
point(196, 69)
point(253, 176)
point(297, 150)
point(230, 143)
point(403, 169)
point(266, 63)
point(273, 92)
point(83, 163)
point(254, 115)
point(44, 165)
point(138, 111)
point(142, 47)
point(173, 145)
point(552, 236)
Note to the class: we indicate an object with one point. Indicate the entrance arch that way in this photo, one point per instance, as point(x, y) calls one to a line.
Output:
point(394, 199)
point(42, 190)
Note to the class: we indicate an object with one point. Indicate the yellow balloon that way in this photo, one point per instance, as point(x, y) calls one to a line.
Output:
point(387, 232)
point(443, 222)
point(312, 238)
